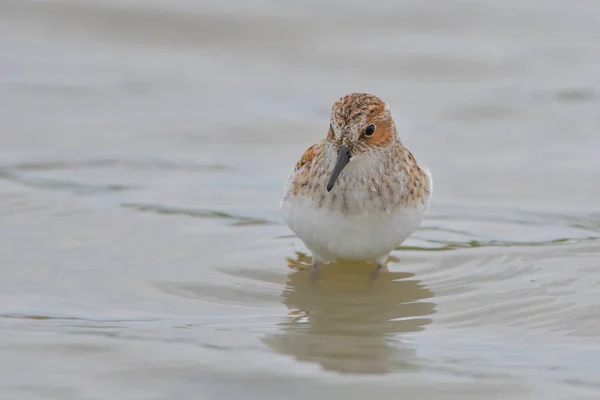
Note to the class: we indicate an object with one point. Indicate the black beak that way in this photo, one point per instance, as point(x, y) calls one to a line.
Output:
point(343, 158)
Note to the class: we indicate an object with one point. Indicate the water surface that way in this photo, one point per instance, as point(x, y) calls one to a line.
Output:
point(143, 151)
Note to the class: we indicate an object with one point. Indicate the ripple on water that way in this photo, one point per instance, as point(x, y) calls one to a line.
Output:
point(62, 184)
point(528, 289)
point(243, 294)
point(236, 220)
point(457, 227)
point(115, 162)
point(23, 172)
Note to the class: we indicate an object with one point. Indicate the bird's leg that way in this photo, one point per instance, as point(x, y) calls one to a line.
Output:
point(314, 269)
point(380, 263)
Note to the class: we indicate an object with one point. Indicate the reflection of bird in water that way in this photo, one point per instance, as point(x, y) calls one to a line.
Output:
point(347, 322)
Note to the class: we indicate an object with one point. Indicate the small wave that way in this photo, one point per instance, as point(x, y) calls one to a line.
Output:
point(59, 184)
point(237, 220)
point(39, 317)
point(110, 162)
point(440, 245)
point(459, 227)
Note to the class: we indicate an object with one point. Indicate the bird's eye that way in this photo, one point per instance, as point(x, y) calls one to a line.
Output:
point(370, 130)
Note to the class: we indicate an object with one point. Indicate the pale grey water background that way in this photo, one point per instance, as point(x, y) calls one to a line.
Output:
point(143, 149)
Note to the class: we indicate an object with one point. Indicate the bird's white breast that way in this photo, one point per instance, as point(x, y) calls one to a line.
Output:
point(368, 235)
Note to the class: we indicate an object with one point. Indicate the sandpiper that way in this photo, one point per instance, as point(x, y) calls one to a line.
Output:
point(359, 193)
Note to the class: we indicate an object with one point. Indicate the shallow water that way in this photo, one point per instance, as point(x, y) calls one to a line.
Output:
point(143, 150)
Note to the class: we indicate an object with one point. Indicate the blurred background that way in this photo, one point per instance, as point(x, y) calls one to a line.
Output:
point(144, 146)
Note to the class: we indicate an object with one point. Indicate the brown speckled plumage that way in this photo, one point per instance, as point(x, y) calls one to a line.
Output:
point(396, 180)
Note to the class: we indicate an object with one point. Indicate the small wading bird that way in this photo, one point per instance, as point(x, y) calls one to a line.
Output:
point(359, 193)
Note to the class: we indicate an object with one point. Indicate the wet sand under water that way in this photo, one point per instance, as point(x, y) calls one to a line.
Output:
point(143, 151)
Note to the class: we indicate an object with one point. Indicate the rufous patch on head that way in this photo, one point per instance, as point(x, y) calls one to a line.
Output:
point(384, 134)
